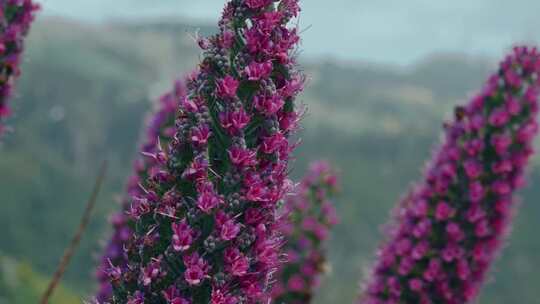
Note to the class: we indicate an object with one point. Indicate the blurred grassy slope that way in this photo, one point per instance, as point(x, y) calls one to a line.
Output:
point(85, 90)
point(19, 284)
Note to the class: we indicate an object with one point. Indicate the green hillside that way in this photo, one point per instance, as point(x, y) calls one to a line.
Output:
point(85, 90)
point(19, 284)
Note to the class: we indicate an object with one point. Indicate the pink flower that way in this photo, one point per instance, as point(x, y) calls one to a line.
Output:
point(257, 193)
point(499, 117)
point(182, 236)
point(512, 78)
point(472, 168)
point(403, 247)
point(172, 296)
point(220, 297)
point(443, 211)
point(137, 298)
point(527, 132)
point(242, 157)
point(420, 250)
point(433, 270)
point(267, 21)
point(501, 187)
point(255, 4)
point(503, 166)
point(196, 268)
point(482, 228)
point(415, 285)
point(234, 122)
point(475, 213)
point(267, 252)
point(473, 147)
point(274, 143)
point(476, 192)
point(229, 230)
point(4, 111)
point(194, 275)
point(238, 264)
point(513, 106)
point(227, 39)
point(421, 208)
point(454, 232)
point(189, 105)
point(501, 143)
point(253, 216)
point(258, 71)
point(200, 135)
point(405, 266)
point(151, 272)
point(197, 170)
point(227, 87)
point(296, 283)
point(268, 105)
point(208, 200)
point(256, 41)
point(422, 228)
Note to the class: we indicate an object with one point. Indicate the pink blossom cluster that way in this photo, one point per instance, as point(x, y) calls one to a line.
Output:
point(309, 215)
point(15, 19)
point(159, 132)
point(450, 227)
point(205, 231)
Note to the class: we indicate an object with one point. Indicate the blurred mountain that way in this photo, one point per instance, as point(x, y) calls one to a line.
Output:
point(84, 93)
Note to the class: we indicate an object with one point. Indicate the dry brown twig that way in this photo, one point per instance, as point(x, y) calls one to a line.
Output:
point(68, 253)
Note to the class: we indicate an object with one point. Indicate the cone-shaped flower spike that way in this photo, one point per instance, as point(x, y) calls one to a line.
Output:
point(451, 225)
point(16, 17)
point(309, 216)
point(159, 133)
point(205, 231)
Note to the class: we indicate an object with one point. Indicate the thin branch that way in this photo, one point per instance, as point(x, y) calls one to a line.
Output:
point(77, 237)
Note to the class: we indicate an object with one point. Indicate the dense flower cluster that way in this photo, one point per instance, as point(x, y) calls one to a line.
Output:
point(15, 19)
point(205, 229)
point(449, 227)
point(309, 217)
point(159, 133)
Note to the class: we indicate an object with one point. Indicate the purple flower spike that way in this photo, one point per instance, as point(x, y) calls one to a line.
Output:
point(450, 227)
point(114, 260)
point(207, 231)
point(15, 19)
point(309, 215)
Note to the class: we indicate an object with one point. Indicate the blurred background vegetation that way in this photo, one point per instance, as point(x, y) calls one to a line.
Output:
point(83, 95)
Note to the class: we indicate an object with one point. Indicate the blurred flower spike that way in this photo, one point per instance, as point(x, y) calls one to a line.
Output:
point(451, 225)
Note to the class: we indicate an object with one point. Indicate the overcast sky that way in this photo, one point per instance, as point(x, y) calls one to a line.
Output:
point(385, 31)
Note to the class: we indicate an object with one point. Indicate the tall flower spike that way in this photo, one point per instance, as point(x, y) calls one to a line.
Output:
point(450, 227)
point(209, 233)
point(159, 133)
point(309, 215)
point(15, 19)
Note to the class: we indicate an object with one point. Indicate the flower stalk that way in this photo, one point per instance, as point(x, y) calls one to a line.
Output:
point(449, 228)
point(16, 17)
point(309, 216)
point(159, 133)
point(205, 231)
